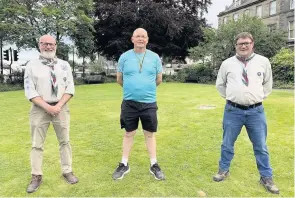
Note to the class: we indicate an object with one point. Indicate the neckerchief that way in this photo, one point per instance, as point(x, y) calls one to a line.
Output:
point(50, 63)
point(245, 61)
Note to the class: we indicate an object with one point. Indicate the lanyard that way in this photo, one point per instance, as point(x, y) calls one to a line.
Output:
point(140, 61)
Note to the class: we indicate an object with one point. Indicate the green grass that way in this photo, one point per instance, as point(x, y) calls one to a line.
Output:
point(188, 146)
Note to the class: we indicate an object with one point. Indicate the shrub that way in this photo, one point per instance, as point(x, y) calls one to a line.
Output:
point(283, 66)
point(169, 78)
point(200, 73)
point(10, 87)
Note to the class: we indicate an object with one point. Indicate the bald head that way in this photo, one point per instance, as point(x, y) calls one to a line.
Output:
point(47, 46)
point(140, 39)
point(140, 31)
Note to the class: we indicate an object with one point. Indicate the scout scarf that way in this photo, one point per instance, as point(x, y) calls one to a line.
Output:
point(50, 63)
point(245, 61)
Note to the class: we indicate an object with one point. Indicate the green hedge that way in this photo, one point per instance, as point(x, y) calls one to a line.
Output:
point(283, 66)
point(200, 73)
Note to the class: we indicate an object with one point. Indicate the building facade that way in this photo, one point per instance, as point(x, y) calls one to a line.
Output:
point(276, 14)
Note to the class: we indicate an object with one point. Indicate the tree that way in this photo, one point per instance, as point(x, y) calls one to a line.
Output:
point(283, 66)
point(35, 18)
point(219, 44)
point(173, 26)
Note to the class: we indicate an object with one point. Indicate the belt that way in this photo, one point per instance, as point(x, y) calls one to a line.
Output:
point(242, 106)
point(52, 103)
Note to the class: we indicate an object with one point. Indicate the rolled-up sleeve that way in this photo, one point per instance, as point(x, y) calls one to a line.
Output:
point(70, 88)
point(221, 81)
point(267, 81)
point(29, 84)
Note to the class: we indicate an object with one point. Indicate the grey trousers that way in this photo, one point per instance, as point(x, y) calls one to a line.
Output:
point(40, 121)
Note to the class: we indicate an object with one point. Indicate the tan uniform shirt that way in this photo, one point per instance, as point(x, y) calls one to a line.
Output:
point(37, 80)
point(229, 80)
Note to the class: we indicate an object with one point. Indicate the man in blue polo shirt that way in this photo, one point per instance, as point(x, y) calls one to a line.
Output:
point(139, 73)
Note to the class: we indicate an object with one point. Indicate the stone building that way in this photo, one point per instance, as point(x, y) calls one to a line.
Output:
point(276, 14)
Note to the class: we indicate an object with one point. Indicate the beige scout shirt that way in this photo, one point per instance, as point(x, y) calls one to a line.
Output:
point(37, 80)
point(229, 80)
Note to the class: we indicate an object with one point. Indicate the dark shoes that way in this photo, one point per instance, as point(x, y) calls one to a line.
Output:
point(157, 172)
point(120, 171)
point(70, 178)
point(35, 183)
point(269, 185)
point(221, 175)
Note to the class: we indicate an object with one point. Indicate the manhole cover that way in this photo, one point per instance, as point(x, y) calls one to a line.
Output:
point(206, 107)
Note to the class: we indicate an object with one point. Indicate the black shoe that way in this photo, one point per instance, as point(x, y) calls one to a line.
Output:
point(35, 183)
point(156, 171)
point(120, 171)
point(221, 175)
point(268, 184)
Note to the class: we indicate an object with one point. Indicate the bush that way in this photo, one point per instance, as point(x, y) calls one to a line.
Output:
point(200, 73)
point(283, 85)
point(169, 78)
point(79, 81)
point(283, 66)
point(10, 87)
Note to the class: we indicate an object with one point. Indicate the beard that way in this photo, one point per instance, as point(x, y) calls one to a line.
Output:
point(48, 54)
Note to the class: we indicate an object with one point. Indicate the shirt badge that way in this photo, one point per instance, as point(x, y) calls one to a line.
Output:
point(65, 79)
point(64, 67)
point(258, 73)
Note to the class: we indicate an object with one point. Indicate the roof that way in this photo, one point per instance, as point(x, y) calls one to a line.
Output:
point(244, 4)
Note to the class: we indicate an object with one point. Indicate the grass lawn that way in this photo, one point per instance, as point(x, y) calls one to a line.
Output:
point(188, 141)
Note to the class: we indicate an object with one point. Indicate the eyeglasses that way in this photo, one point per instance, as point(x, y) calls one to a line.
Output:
point(246, 44)
point(48, 44)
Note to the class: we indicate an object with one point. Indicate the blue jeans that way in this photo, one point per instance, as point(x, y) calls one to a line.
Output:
point(254, 121)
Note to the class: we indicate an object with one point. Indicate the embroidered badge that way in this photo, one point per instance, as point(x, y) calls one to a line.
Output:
point(65, 79)
point(64, 67)
point(258, 73)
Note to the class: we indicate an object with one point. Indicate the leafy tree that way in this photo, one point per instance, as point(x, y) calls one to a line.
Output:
point(33, 19)
point(219, 44)
point(283, 65)
point(173, 26)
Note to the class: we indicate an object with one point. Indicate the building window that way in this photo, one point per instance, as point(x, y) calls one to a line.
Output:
point(224, 20)
point(273, 8)
point(236, 16)
point(247, 12)
point(272, 27)
point(237, 3)
point(291, 4)
point(291, 29)
point(259, 11)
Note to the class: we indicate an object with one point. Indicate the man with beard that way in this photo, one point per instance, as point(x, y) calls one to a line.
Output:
point(245, 80)
point(49, 85)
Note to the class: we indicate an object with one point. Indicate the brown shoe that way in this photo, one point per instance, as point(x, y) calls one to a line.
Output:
point(268, 184)
point(70, 178)
point(35, 183)
point(221, 175)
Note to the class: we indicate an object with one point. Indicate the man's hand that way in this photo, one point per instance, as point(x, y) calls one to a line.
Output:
point(53, 110)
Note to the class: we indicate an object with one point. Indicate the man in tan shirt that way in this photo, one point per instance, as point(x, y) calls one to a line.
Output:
point(49, 85)
point(245, 80)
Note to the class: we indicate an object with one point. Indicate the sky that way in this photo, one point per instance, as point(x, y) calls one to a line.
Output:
point(216, 7)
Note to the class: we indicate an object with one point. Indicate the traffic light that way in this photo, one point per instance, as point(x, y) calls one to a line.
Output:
point(6, 55)
point(15, 55)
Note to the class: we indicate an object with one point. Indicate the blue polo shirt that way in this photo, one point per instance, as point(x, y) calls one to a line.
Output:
point(139, 86)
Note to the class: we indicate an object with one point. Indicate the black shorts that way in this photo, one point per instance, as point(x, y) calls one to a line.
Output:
point(131, 111)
